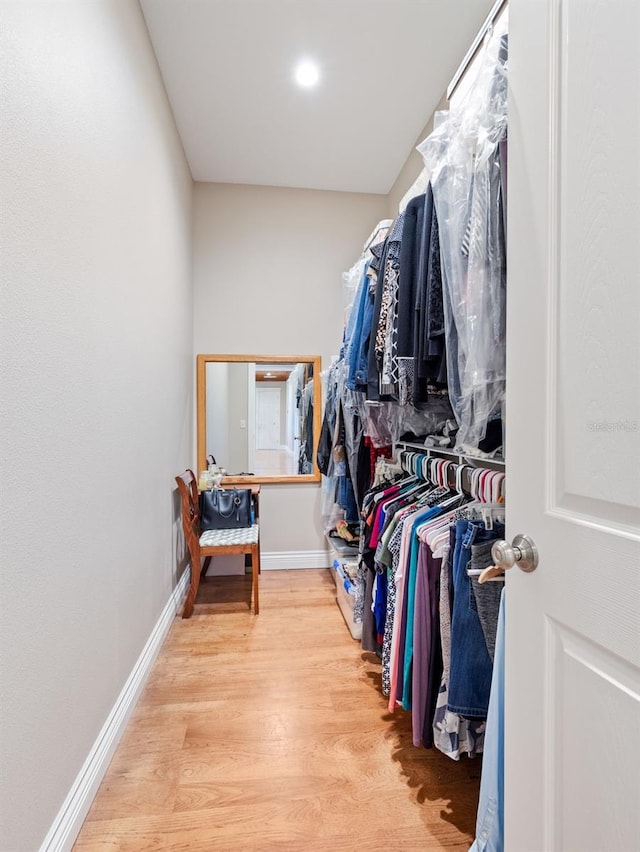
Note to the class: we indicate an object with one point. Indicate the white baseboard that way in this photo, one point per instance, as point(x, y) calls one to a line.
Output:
point(292, 559)
point(68, 823)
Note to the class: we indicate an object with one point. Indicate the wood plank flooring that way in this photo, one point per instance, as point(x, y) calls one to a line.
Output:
point(275, 463)
point(271, 733)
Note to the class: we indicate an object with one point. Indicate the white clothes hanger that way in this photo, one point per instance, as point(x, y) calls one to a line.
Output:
point(381, 226)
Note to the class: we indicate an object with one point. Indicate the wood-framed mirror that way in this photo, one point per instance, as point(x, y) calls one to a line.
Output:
point(259, 416)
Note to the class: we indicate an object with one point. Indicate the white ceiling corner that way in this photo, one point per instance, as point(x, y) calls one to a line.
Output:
point(228, 68)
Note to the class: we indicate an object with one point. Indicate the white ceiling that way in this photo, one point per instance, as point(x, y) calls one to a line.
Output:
point(228, 70)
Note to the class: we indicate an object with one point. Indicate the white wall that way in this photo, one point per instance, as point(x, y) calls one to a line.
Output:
point(413, 165)
point(217, 387)
point(96, 378)
point(268, 266)
point(237, 411)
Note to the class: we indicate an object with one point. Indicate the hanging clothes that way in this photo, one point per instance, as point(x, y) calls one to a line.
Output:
point(437, 634)
point(358, 331)
point(387, 332)
point(490, 821)
point(470, 665)
point(305, 461)
point(453, 735)
point(465, 155)
point(423, 360)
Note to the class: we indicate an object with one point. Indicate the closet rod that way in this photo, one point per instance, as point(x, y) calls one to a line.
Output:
point(459, 458)
point(493, 14)
point(461, 467)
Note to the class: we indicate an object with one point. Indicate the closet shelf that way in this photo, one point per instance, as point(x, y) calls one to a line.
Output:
point(495, 463)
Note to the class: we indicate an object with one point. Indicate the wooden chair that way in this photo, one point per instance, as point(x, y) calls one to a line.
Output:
point(215, 542)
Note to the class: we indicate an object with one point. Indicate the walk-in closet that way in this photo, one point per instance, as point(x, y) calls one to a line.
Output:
point(319, 371)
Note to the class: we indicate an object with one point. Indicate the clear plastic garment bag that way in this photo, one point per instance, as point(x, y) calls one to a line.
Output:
point(465, 156)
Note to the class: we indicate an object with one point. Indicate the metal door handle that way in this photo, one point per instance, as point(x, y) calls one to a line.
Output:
point(522, 552)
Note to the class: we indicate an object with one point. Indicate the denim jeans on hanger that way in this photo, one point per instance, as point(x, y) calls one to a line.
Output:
point(347, 500)
point(353, 431)
point(357, 335)
point(471, 667)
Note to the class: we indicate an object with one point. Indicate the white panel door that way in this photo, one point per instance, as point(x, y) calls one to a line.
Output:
point(267, 418)
point(572, 779)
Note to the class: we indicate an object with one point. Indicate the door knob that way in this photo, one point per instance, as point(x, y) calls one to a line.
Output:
point(522, 552)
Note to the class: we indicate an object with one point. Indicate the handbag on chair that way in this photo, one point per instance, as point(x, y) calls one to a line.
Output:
point(225, 509)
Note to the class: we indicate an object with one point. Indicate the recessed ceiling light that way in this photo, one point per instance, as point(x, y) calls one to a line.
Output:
point(307, 73)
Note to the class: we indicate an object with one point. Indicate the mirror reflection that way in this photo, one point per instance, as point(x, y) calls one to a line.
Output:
point(258, 416)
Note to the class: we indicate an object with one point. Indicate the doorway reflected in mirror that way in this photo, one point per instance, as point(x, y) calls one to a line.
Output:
point(260, 415)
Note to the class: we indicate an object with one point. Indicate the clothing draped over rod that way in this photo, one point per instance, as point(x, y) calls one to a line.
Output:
point(423, 349)
point(421, 533)
point(421, 373)
point(304, 378)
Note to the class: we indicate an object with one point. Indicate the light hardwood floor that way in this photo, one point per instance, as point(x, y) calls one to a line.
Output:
point(275, 463)
point(271, 733)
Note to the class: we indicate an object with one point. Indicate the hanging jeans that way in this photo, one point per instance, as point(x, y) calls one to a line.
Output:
point(359, 331)
point(347, 500)
point(471, 667)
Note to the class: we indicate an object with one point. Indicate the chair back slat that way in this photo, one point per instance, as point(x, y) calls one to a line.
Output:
point(188, 488)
